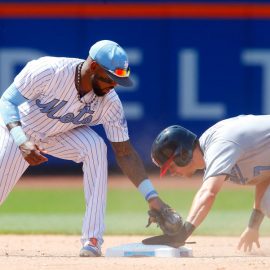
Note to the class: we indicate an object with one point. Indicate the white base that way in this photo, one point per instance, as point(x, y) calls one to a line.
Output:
point(141, 250)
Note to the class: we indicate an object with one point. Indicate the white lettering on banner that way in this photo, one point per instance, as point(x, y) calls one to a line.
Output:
point(261, 58)
point(9, 59)
point(133, 110)
point(189, 106)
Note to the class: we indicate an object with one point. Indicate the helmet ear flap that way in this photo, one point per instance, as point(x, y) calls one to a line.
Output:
point(183, 156)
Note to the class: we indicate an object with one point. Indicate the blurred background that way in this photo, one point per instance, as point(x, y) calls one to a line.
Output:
point(193, 63)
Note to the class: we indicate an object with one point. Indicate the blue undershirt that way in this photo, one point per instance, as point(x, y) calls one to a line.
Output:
point(9, 103)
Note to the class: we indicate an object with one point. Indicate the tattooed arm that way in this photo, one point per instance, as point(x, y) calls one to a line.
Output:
point(132, 166)
point(129, 162)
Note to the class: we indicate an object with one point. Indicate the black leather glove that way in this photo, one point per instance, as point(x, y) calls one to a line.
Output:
point(169, 221)
point(175, 241)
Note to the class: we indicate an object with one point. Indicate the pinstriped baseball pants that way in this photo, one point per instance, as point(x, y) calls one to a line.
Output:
point(80, 145)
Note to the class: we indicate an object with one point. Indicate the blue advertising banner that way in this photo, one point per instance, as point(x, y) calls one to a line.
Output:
point(192, 69)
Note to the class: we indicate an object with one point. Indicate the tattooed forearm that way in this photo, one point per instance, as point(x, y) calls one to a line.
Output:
point(129, 162)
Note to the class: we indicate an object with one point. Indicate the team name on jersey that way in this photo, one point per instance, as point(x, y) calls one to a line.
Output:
point(54, 106)
point(237, 176)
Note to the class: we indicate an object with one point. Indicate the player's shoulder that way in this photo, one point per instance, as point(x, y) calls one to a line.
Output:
point(111, 100)
point(36, 67)
point(214, 133)
point(53, 63)
point(222, 126)
point(228, 130)
point(112, 96)
point(58, 62)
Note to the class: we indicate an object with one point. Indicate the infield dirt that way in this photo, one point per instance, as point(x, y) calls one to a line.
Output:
point(47, 252)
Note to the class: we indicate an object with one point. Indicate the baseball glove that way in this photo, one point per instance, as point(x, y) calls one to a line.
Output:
point(169, 221)
point(175, 240)
point(168, 240)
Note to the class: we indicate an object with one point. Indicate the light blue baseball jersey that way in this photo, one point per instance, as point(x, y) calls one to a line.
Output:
point(238, 147)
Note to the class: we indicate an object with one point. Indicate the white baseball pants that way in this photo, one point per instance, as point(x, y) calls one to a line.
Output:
point(80, 145)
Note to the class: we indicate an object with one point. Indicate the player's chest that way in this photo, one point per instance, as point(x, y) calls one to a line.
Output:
point(66, 111)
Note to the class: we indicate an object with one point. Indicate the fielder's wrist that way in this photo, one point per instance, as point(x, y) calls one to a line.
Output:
point(255, 219)
point(18, 135)
point(147, 189)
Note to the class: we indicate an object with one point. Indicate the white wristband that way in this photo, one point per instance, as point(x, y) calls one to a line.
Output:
point(147, 189)
point(18, 135)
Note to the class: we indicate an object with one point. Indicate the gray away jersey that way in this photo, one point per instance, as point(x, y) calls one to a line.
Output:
point(53, 106)
point(238, 147)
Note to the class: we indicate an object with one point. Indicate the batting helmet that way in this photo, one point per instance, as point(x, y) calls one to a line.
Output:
point(174, 143)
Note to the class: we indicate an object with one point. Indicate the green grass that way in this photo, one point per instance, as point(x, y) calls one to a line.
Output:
point(61, 211)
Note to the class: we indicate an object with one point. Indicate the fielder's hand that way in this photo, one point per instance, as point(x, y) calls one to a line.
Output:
point(169, 221)
point(32, 154)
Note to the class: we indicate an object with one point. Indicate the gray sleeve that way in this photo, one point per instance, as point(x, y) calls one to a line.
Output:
point(220, 157)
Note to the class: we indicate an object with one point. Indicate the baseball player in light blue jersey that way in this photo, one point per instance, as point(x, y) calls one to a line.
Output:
point(50, 108)
point(236, 149)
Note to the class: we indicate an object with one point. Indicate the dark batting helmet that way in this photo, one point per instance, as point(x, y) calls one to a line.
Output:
point(174, 143)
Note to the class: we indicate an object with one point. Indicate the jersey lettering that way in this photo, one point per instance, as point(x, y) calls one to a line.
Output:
point(52, 107)
point(258, 169)
point(236, 176)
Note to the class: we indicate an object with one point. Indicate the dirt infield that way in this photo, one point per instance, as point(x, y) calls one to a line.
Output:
point(56, 252)
point(50, 252)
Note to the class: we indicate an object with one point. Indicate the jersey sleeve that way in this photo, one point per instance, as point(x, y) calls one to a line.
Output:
point(115, 124)
point(34, 78)
point(220, 158)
